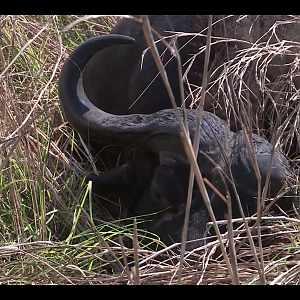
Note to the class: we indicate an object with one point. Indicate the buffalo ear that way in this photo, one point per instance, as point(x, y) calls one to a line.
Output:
point(135, 174)
point(117, 177)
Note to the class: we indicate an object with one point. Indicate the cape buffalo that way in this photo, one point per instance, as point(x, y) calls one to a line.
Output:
point(158, 175)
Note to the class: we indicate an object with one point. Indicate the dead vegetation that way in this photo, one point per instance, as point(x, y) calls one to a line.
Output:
point(47, 229)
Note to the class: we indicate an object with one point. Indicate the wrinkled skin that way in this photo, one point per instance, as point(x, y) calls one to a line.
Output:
point(156, 179)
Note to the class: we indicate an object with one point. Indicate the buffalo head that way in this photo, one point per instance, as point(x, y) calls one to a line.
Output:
point(159, 174)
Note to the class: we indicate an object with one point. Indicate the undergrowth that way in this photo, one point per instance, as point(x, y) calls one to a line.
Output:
point(48, 230)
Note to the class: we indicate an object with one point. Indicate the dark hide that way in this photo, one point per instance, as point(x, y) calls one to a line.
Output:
point(132, 86)
point(125, 78)
point(155, 181)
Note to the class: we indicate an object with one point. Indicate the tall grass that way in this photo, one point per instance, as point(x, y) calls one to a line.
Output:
point(42, 188)
point(48, 228)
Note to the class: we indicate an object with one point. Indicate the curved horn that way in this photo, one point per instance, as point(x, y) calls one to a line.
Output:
point(155, 131)
point(74, 107)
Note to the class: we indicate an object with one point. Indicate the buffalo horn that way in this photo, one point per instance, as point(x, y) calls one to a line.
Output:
point(157, 132)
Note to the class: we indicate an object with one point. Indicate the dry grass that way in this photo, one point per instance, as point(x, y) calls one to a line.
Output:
point(47, 262)
point(47, 234)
